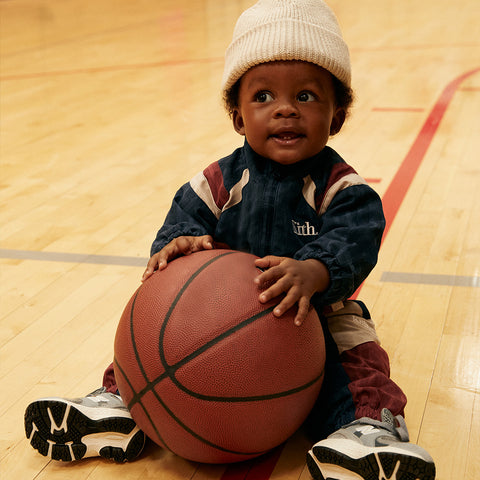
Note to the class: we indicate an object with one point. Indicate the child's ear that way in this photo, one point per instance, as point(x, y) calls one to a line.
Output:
point(337, 121)
point(238, 124)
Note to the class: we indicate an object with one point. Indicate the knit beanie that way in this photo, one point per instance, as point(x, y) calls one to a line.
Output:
point(287, 30)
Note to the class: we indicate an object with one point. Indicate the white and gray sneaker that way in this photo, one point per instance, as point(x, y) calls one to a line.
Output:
point(96, 425)
point(370, 450)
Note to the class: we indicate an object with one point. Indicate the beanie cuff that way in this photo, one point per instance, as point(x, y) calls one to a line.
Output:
point(275, 30)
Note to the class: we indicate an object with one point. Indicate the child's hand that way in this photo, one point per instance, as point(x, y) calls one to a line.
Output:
point(298, 279)
point(177, 247)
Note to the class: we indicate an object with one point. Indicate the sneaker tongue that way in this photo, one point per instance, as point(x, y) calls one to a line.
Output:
point(388, 418)
point(397, 424)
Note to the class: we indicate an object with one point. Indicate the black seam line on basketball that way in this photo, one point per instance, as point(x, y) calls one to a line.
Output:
point(252, 398)
point(122, 372)
point(149, 386)
point(137, 397)
point(176, 419)
point(176, 300)
point(199, 437)
point(170, 370)
point(132, 336)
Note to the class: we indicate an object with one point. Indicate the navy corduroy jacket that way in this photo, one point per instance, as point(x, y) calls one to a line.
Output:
point(317, 208)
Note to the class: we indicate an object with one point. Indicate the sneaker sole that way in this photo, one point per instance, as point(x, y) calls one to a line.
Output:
point(327, 464)
point(63, 430)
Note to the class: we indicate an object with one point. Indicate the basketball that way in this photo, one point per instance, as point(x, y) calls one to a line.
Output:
point(206, 370)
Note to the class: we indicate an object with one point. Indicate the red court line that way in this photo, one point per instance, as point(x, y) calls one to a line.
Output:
point(257, 469)
point(392, 200)
point(397, 109)
point(397, 190)
point(417, 47)
point(109, 68)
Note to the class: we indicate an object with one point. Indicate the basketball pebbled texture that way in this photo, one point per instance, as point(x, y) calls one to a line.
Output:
point(206, 370)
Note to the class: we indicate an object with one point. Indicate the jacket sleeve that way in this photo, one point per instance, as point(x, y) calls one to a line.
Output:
point(188, 215)
point(348, 242)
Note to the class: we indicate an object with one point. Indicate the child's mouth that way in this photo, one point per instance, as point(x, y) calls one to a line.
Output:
point(287, 137)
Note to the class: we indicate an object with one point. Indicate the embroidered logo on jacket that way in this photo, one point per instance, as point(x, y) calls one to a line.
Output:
point(303, 230)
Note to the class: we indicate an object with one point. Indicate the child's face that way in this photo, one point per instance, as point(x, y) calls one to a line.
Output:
point(287, 110)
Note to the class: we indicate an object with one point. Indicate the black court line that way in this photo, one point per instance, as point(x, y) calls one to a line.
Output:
point(73, 258)
point(387, 277)
point(431, 279)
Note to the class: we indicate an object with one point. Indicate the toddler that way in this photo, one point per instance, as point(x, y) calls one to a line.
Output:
point(316, 225)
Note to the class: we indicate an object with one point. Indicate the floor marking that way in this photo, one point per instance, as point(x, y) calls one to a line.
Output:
point(414, 47)
point(397, 190)
point(260, 468)
point(431, 279)
point(110, 68)
point(392, 201)
point(398, 109)
point(392, 277)
point(73, 258)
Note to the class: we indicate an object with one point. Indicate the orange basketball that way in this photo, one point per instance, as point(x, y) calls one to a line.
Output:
point(206, 370)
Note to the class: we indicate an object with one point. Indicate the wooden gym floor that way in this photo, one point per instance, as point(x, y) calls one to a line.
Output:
point(107, 107)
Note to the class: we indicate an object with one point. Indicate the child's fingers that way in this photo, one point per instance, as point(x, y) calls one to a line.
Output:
point(287, 303)
point(154, 263)
point(159, 260)
point(269, 261)
point(290, 300)
point(178, 246)
point(206, 242)
point(148, 272)
point(271, 274)
point(188, 245)
point(264, 279)
point(303, 309)
point(273, 285)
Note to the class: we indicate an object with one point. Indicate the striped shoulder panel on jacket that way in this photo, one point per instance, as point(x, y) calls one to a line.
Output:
point(209, 186)
point(341, 177)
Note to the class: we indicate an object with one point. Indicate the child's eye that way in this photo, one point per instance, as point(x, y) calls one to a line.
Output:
point(306, 97)
point(263, 97)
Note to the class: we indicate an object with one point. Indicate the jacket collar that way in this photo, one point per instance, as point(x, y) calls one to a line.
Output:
point(266, 166)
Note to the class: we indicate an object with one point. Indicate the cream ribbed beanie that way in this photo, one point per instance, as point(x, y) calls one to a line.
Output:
point(287, 30)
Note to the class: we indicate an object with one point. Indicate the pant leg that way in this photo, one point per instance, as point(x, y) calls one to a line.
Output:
point(357, 379)
point(109, 381)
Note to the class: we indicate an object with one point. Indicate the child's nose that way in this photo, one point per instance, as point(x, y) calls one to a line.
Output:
point(286, 108)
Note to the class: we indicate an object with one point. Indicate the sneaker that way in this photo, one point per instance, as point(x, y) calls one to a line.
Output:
point(71, 429)
point(370, 450)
